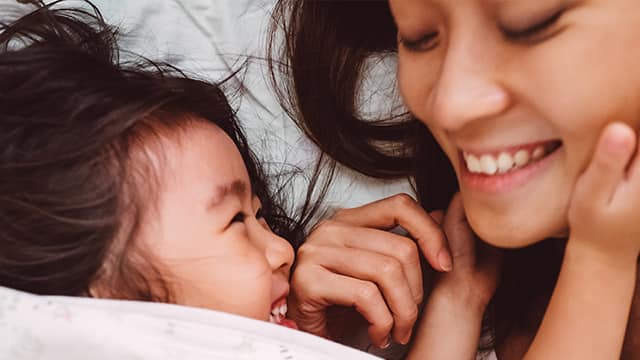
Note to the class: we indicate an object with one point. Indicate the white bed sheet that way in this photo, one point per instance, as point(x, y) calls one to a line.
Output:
point(53, 328)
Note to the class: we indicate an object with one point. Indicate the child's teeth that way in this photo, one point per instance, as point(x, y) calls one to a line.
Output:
point(271, 319)
point(488, 164)
point(521, 158)
point(505, 162)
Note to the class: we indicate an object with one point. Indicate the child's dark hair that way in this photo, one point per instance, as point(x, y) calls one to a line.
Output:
point(71, 112)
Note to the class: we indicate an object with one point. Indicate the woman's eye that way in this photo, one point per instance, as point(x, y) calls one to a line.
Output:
point(537, 32)
point(424, 43)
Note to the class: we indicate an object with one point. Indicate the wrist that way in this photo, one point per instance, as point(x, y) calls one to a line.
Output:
point(613, 260)
point(460, 300)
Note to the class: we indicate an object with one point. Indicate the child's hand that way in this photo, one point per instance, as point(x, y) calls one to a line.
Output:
point(476, 270)
point(353, 261)
point(604, 210)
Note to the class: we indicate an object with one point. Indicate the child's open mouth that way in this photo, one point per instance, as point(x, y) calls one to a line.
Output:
point(279, 313)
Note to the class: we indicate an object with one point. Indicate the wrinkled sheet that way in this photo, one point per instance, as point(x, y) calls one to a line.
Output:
point(52, 328)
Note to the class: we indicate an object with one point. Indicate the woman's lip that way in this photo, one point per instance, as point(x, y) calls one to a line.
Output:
point(507, 181)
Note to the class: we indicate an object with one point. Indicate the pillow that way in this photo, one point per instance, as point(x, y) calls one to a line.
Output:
point(211, 38)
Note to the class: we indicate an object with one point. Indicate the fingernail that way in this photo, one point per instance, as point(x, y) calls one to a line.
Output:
point(406, 339)
point(386, 343)
point(444, 259)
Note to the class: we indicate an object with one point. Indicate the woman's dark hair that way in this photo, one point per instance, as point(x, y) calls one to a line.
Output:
point(72, 114)
point(317, 68)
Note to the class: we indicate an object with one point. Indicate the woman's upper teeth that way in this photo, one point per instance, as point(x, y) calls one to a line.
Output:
point(489, 164)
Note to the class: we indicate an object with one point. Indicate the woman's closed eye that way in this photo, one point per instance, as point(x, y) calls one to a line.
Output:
point(538, 32)
point(424, 43)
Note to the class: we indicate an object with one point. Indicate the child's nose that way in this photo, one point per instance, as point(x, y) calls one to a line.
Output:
point(278, 251)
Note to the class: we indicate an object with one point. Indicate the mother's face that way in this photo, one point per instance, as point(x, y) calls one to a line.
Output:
point(516, 92)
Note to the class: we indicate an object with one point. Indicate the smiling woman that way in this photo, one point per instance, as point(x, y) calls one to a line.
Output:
point(528, 109)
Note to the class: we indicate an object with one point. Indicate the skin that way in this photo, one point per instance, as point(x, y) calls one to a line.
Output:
point(206, 232)
point(483, 83)
point(480, 88)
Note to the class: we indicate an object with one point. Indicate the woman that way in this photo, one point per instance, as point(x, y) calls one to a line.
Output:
point(482, 82)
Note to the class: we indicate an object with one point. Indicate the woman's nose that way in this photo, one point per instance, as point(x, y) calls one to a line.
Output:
point(469, 86)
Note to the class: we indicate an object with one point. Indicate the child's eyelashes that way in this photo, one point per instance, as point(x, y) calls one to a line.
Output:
point(538, 32)
point(240, 217)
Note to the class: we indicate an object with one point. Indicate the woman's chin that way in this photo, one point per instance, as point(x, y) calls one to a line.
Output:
point(514, 235)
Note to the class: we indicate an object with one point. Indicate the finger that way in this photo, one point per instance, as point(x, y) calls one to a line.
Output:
point(634, 169)
point(610, 159)
point(404, 211)
point(385, 243)
point(437, 216)
point(336, 289)
point(383, 271)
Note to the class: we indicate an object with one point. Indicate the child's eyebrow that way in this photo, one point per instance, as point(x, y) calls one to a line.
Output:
point(236, 187)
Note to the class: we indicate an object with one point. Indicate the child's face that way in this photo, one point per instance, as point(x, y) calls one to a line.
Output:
point(212, 245)
point(525, 87)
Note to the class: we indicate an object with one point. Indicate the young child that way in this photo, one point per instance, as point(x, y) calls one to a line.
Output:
point(129, 181)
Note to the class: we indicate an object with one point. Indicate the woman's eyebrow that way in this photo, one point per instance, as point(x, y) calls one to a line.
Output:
point(236, 187)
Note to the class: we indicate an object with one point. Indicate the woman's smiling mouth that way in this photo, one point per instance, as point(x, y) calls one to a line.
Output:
point(503, 169)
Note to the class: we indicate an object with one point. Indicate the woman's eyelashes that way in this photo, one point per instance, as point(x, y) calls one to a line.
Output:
point(538, 32)
point(532, 34)
point(424, 43)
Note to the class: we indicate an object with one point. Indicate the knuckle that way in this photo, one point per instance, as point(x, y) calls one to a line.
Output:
point(403, 200)
point(386, 323)
point(407, 252)
point(326, 230)
point(418, 298)
point(409, 316)
point(306, 251)
point(367, 292)
point(390, 267)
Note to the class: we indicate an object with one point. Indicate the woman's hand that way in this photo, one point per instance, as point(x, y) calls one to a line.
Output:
point(477, 265)
point(450, 327)
point(354, 261)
